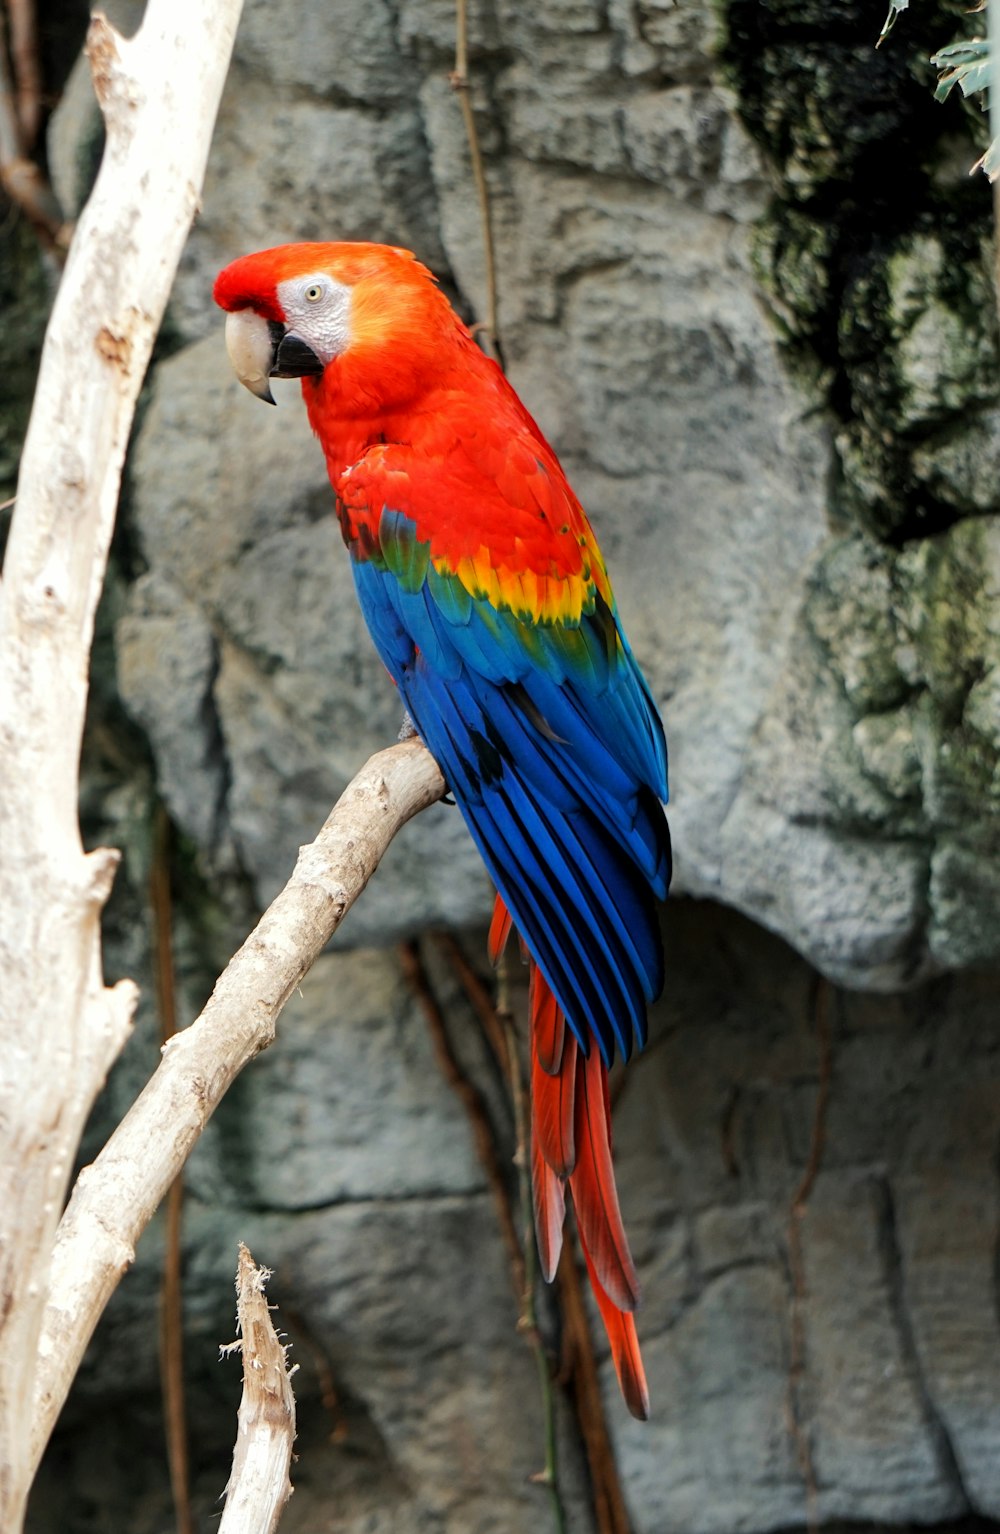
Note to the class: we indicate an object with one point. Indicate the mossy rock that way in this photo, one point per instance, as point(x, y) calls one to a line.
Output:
point(874, 261)
point(911, 640)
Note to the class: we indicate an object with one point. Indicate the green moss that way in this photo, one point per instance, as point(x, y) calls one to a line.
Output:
point(906, 638)
point(851, 610)
point(825, 105)
point(889, 755)
point(945, 619)
point(918, 333)
point(961, 463)
point(792, 258)
point(24, 302)
point(872, 259)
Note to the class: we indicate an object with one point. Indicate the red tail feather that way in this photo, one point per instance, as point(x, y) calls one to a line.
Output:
point(549, 1196)
point(499, 931)
point(548, 1026)
point(553, 1109)
point(595, 1196)
point(571, 1138)
point(620, 1327)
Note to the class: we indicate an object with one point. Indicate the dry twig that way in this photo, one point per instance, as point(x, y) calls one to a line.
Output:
point(27, 69)
point(500, 1035)
point(171, 1294)
point(581, 1369)
point(798, 1208)
point(459, 79)
point(579, 1366)
point(20, 177)
point(479, 1120)
point(528, 1319)
point(259, 1487)
point(478, 996)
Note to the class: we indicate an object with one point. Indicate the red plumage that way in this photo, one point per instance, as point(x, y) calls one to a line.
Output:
point(571, 1145)
point(487, 597)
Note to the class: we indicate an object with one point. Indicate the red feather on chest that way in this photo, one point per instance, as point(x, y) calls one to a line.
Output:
point(468, 465)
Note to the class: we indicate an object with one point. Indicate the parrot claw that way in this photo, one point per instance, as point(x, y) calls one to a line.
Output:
point(409, 731)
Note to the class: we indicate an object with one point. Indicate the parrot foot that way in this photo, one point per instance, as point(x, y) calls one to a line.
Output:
point(407, 730)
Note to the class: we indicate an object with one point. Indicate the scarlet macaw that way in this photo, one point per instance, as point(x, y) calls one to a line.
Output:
point(488, 600)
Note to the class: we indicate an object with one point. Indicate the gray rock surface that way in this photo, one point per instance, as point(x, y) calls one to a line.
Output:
point(896, 1308)
point(624, 188)
point(634, 334)
point(344, 1160)
point(881, 737)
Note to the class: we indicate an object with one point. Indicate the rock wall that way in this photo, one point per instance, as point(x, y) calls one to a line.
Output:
point(847, 1354)
point(769, 363)
point(743, 288)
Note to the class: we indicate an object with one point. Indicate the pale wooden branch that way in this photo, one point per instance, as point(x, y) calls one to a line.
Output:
point(259, 1487)
point(114, 1198)
point(60, 1029)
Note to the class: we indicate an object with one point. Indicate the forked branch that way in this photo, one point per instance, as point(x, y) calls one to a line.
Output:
point(60, 1028)
point(114, 1199)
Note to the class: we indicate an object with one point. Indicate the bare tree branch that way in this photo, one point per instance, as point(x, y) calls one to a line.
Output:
point(171, 1287)
point(259, 1487)
point(460, 84)
point(60, 1029)
point(114, 1198)
point(20, 176)
point(27, 69)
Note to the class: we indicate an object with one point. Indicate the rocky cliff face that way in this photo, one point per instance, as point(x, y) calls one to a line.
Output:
point(770, 365)
point(743, 288)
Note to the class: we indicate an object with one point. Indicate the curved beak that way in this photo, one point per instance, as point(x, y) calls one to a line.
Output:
point(251, 349)
point(260, 349)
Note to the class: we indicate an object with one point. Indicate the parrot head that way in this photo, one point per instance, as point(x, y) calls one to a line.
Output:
point(296, 310)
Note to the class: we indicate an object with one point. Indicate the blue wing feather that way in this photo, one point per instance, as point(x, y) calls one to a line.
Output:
point(554, 752)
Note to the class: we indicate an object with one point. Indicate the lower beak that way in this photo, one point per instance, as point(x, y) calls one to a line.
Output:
point(295, 358)
point(260, 350)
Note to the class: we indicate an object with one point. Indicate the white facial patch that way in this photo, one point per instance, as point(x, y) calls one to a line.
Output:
point(318, 309)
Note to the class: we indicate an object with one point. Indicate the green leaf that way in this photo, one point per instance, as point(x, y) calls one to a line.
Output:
point(990, 161)
point(895, 6)
point(964, 64)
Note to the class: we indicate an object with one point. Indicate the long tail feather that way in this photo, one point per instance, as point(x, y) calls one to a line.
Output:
point(548, 1191)
point(595, 1196)
point(571, 1142)
point(548, 1026)
point(553, 1109)
point(620, 1327)
point(499, 931)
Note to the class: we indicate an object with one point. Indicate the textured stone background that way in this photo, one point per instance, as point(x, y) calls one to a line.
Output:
point(744, 288)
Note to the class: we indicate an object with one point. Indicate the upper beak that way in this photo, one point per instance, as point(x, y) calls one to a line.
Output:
point(260, 349)
point(251, 351)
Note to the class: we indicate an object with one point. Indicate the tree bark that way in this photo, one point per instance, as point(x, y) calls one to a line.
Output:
point(114, 1199)
point(259, 1487)
point(60, 1028)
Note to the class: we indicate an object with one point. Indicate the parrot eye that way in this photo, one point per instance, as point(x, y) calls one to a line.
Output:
point(316, 312)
